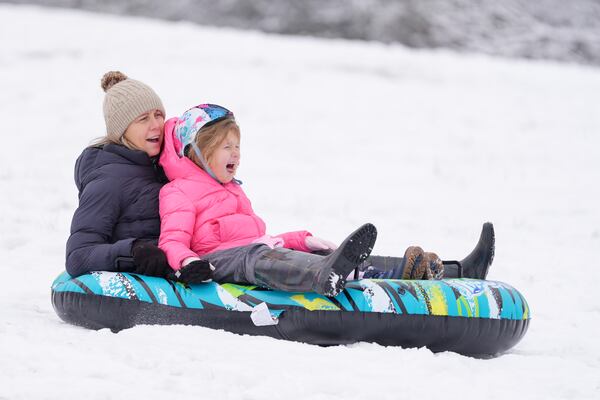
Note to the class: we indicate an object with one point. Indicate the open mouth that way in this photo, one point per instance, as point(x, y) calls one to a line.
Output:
point(230, 168)
point(154, 139)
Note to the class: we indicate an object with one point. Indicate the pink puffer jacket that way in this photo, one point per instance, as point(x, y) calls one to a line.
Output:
point(200, 215)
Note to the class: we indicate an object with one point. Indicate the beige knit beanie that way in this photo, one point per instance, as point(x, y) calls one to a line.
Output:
point(125, 100)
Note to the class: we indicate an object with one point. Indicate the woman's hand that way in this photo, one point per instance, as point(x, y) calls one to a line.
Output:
point(149, 259)
point(317, 244)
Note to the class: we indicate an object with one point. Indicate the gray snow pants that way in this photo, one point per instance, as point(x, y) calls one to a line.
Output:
point(279, 268)
point(258, 264)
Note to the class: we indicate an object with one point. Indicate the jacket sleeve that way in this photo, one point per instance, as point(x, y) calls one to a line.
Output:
point(177, 219)
point(89, 246)
point(295, 240)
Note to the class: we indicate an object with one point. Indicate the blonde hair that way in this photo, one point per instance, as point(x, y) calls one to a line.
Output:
point(101, 141)
point(210, 137)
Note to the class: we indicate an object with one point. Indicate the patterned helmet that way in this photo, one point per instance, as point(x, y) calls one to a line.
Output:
point(193, 120)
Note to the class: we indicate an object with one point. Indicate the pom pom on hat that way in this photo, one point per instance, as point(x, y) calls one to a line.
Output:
point(111, 78)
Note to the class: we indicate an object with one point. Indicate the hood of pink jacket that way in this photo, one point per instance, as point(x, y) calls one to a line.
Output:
point(175, 166)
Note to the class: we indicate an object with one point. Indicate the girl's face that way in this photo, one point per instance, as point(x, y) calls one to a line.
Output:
point(146, 132)
point(226, 158)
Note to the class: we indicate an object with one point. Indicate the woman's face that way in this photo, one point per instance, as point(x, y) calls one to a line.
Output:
point(226, 158)
point(146, 132)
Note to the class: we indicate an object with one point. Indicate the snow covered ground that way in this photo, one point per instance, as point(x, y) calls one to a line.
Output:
point(427, 145)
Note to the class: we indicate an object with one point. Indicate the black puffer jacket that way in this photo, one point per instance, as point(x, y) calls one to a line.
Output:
point(118, 203)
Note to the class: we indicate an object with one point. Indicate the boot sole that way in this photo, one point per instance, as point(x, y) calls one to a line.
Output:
point(410, 263)
point(351, 253)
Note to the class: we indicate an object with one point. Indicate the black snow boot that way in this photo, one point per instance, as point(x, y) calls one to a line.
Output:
point(476, 264)
point(352, 252)
point(297, 271)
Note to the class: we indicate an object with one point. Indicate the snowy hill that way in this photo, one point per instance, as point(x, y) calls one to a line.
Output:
point(427, 145)
point(543, 29)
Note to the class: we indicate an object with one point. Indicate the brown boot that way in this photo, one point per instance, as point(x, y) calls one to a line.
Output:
point(416, 264)
point(414, 267)
point(422, 265)
point(435, 267)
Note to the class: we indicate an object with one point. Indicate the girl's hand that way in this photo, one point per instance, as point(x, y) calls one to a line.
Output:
point(197, 271)
point(318, 244)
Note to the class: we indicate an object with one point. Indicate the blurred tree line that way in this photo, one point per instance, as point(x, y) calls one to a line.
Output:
point(566, 30)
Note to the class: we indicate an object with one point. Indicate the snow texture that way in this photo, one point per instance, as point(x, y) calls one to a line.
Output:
point(426, 145)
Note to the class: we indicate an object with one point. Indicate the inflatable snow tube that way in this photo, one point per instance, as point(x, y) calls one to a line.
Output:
point(467, 316)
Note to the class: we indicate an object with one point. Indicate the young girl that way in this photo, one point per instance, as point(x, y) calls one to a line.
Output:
point(209, 230)
point(208, 227)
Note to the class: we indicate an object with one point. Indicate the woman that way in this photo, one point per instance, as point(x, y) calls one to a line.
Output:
point(116, 225)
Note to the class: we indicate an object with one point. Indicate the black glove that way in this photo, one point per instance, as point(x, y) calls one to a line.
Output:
point(149, 259)
point(195, 272)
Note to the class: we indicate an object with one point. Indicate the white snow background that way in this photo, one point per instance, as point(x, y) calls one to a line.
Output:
point(427, 145)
